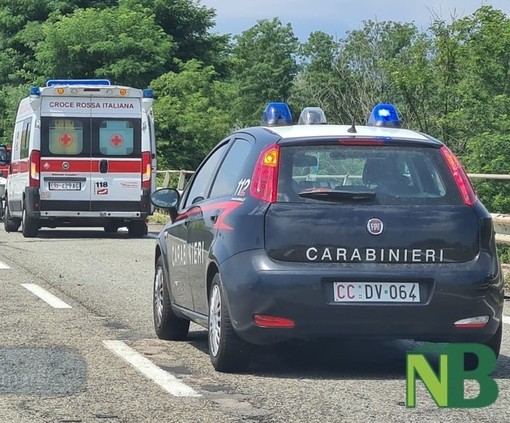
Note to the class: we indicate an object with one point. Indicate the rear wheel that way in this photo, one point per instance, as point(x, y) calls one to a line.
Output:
point(227, 351)
point(11, 224)
point(166, 323)
point(137, 228)
point(29, 225)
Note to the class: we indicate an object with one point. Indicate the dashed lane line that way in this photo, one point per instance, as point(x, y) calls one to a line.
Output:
point(164, 379)
point(44, 295)
point(4, 266)
point(506, 320)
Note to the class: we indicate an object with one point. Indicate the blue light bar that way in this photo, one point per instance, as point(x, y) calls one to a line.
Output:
point(277, 114)
point(35, 91)
point(384, 114)
point(56, 82)
point(148, 93)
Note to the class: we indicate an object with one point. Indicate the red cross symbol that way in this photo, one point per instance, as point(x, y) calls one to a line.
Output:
point(116, 140)
point(66, 139)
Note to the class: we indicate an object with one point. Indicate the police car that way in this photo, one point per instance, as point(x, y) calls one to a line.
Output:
point(314, 230)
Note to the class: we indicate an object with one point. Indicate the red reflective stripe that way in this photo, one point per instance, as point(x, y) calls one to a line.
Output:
point(87, 165)
point(20, 167)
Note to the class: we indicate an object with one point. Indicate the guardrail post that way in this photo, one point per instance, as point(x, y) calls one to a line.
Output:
point(182, 180)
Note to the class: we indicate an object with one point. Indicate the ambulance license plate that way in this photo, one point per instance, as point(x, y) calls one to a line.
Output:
point(65, 186)
point(383, 292)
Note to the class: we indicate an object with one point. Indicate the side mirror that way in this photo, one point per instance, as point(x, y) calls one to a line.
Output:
point(166, 198)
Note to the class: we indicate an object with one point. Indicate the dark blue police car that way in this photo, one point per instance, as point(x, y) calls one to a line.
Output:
point(314, 230)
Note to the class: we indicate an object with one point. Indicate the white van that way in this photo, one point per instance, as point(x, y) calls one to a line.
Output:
point(83, 154)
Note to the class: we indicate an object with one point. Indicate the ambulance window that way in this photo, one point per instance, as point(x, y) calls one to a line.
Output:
point(65, 137)
point(116, 138)
point(25, 139)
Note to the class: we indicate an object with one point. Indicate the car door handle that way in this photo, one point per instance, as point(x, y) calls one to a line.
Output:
point(103, 166)
point(214, 217)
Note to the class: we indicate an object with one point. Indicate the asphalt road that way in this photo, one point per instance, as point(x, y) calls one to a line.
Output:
point(89, 353)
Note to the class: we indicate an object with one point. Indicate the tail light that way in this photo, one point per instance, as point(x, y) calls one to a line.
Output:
point(35, 163)
point(264, 181)
point(462, 180)
point(265, 321)
point(146, 170)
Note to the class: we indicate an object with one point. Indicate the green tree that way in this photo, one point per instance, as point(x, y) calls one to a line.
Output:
point(123, 44)
point(264, 66)
point(190, 114)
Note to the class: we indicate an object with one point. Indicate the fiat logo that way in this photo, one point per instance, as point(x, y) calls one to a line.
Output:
point(65, 165)
point(375, 226)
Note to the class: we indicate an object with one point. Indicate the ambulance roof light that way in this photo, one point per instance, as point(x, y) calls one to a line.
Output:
point(55, 82)
point(312, 116)
point(148, 93)
point(384, 114)
point(277, 114)
point(35, 92)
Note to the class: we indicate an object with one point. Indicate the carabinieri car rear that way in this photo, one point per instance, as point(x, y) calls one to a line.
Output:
point(315, 230)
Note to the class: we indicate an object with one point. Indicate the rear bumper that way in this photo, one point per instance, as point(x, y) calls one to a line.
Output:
point(303, 293)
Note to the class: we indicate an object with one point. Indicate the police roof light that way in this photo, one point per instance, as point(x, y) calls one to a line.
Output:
point(277, 114)
point(54, 82)
point(385, 114)
point(312, 116)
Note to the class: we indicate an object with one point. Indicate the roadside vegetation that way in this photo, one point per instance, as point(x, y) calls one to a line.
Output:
point(450, 80)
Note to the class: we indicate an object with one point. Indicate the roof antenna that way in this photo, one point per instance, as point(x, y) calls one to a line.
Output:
point(352, 129)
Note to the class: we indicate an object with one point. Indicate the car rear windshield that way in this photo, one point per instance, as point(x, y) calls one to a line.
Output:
point(379, 174)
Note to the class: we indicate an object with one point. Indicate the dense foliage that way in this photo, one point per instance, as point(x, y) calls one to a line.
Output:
point(451, 81)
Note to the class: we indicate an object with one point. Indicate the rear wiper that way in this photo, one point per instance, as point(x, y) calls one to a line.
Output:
point(333, 195)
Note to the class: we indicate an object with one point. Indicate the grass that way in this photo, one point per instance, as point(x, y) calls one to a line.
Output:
point(159, 218)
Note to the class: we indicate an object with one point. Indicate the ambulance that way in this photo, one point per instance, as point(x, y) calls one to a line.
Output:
point(83, 154)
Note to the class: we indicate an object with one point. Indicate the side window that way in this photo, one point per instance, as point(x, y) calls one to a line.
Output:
point(203, 177)
point(25, 139)
point(116, 137)
point(228, 176)
point(65, 137)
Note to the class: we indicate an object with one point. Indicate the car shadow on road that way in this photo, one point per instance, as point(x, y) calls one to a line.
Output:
point(338, 359)
point(88, 233)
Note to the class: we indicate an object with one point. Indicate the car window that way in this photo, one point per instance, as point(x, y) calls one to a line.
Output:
point(397, 174)
point(65, 137)
point(228, 176)
point(203, 177)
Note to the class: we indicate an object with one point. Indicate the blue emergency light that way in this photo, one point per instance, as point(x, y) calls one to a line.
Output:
point(148, 93)
point(277, 114)
point(35, 92)
point(56, 82)
point(384, 114)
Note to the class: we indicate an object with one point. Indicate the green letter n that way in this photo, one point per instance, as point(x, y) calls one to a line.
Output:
point(417, 365)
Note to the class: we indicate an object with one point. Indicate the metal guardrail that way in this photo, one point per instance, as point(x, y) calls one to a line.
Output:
point(501, 221)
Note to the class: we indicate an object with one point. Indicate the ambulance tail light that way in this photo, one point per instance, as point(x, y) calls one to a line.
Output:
point(35, 165)
point(146, 170)
point(264, 182)
point(461, 179)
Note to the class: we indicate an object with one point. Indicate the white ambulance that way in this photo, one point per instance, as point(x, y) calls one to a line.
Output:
point(83, 154)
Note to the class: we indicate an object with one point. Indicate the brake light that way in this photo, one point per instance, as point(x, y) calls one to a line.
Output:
point(360, 141)
point(264, 181)
point(265, 321)
point(461, 179)
point(146, 170)
point(35, 163)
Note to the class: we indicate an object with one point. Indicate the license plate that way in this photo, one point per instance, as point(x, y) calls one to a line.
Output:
point(65, 186)
point(382, 292)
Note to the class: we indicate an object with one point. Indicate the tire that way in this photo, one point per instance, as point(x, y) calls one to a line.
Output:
point(137, 229)
point(111, 228)
point(228, 353)
point(11, 224)
point(166, 324)
point(29, 225)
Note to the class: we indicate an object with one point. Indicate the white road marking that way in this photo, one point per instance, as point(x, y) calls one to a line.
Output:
point(4, 266)
point(506, 320)
point(164, 379)
point(44, 295)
